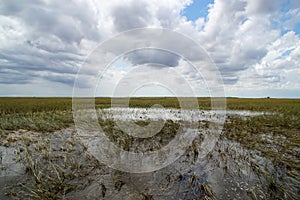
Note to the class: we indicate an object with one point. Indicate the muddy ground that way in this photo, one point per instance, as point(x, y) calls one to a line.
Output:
point(60, 165)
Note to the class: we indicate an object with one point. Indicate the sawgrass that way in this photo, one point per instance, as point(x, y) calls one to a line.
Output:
point(274, 135)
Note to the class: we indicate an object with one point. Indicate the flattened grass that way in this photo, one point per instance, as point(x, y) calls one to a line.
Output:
point(38, 114)
point(50, 114)
point(275, 135)
point(280, 127)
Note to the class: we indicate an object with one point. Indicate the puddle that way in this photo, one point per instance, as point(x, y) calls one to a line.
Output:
point(9, 164)
point(11, 171)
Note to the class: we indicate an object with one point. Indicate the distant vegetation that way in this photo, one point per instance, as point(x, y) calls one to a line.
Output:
point(39, 114)
point(49, 114)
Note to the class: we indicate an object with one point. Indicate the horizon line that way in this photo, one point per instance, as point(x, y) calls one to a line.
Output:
point(241, 97)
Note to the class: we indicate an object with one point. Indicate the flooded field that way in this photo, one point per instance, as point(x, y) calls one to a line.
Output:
point(170, 114)
point(255, 156)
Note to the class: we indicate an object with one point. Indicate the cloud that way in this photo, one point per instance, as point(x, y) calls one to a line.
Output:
point(237, 34)
point(144, 56)
point(266, 7)
point(63, 19)
point(251, 42)
point(292, 18)
point(41, 36)
point(135, 14)
point(13, 77)
point(59, 78)
point(283, 54)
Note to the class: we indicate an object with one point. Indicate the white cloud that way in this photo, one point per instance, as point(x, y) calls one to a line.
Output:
point(293, 18)
point(282, 62)
point(49, 40)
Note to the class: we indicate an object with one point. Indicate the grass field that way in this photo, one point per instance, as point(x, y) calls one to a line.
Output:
point(275, 136)
point(49, 114)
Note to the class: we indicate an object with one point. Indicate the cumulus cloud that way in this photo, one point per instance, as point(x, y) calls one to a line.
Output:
point(251, 42)
point(266, 7)
point(283, 55)
point(135, 14)
point(237, 34)
point(40, 38)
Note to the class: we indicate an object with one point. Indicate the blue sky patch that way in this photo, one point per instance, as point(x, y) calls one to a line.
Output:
point(199, 8)
point(297, 28)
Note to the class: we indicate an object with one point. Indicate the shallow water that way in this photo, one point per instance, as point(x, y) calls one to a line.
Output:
point(225, 172)
point(11, 171)
point(171, 114)
point(8, 163)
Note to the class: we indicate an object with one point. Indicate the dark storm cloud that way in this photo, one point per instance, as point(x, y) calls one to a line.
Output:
point(132, 15)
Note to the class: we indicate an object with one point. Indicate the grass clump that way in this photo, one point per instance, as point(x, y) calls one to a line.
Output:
point(130, 143)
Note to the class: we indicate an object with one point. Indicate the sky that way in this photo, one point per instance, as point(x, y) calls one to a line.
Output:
point(254, 45)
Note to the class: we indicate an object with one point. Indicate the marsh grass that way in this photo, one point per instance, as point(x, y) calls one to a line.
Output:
point(57, 165)
point(37, 121)
point(54, 167)
point(130, 143)
point(39, 114)
point(50, 114)
point(53, 171)
point(276, 137)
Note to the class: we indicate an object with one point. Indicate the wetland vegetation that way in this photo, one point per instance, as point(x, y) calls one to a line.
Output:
point(256, 157)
